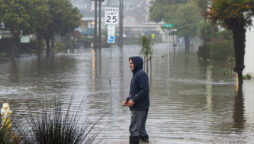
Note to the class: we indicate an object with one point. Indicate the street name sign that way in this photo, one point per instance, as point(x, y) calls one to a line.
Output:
point(168, 25)
point(111, 15)
point(174, 30)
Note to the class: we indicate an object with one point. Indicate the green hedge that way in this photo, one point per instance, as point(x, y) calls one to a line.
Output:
point(221, 48)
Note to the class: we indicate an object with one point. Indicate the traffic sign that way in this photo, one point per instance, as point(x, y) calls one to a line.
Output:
point(111, 30)
point(174, 30)
point(168, 25)
point(111, 15)
point(111, 39)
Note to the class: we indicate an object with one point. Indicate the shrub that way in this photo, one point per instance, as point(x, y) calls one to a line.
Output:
point(5, 137)
point(146, 45)
point(11, 135)
point(247, 77)
point(55, 126)
point(205, 31)
point(224, 35)
point(221, 49)
point(3, 54)
point(203, 53)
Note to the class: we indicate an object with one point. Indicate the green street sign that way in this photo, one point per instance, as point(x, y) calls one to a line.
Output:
point(168, 25)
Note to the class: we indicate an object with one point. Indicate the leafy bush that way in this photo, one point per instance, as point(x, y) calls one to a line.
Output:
point(204, 53)
point(3, 54)
point(247, 77)
point(221, 49)
point(146, 45)
point(205, 31)
point(224, 35)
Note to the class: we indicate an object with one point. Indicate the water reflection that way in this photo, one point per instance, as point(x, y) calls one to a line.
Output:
point(191, 102)
point(238, 115)
point(209, 88)
point(93, 69)
point(14, 71)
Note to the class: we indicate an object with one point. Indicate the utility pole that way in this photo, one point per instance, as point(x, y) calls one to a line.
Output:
point(99, 39)
point(95, 25)
point(120, 41)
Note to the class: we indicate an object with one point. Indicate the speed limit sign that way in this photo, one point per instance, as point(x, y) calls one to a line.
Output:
point(111, 15)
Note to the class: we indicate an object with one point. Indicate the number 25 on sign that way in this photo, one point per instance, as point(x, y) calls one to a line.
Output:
point(111, 15)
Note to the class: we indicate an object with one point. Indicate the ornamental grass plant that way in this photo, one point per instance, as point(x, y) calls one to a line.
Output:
point(58, 126)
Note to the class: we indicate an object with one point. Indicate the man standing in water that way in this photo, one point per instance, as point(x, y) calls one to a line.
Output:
point(138, 101)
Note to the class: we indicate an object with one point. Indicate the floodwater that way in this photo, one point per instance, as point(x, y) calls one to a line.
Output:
point(191, 102)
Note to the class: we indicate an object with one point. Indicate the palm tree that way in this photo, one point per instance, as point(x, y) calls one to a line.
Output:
point(146, 48)
point(202, 6)
point(236, 16)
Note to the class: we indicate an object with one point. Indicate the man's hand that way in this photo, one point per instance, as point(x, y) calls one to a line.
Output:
point(124, 103)
point(130, 103)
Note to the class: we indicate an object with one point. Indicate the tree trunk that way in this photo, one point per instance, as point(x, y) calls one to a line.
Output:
point(48, 46)
point(53, 42)
point(147, 69)
point(150, 64)
point(205, 37)
point(144, 63)
point(239, 47)
point(213, 31)
point(39, 44)
point(187, 44)
point(14, 45)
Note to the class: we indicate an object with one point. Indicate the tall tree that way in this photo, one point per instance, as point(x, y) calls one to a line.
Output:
point(183, 14)
point(236, 15)
point(202, 6)
point(40, 18)
point(187, 22)
point(162, 8)
point(15, 15)
point(64, 20)
point(44, 18)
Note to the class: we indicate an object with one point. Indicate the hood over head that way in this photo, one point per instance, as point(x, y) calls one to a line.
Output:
point(138, 63)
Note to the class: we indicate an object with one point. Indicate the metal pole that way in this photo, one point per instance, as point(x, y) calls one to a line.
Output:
point(99, 39)
point(168, 54)
point(120, 42)
point(174, 41)
point(95, 25)
point(110, 71)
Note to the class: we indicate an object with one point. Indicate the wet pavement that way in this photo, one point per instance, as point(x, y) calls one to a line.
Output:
point(191, 101)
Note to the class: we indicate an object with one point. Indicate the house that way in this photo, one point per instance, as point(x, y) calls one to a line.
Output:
point(249, 52)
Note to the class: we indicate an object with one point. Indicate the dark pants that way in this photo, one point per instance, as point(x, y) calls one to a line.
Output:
point(138, 123)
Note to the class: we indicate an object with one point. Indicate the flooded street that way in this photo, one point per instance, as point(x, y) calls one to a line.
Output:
point(191, 102)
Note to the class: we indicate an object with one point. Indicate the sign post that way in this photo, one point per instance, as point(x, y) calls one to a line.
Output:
point(111, 34)
point(111, 19)
point(168, 27)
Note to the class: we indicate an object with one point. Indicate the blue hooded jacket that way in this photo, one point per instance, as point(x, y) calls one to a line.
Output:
point(139, 86)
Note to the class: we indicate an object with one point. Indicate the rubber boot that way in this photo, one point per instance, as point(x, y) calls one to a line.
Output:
point(134, 139)
point(145, 138)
